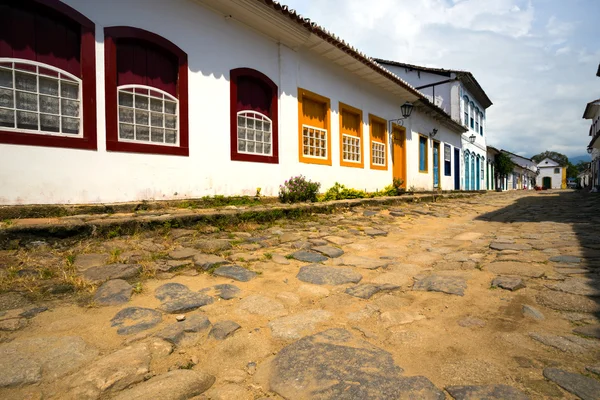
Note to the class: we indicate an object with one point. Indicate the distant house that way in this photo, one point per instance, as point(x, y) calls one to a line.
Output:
point(524, 173)
point(552, 175)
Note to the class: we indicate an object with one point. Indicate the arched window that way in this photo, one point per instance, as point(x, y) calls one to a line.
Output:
point(146, 93)
point(477, 116)
point(481, 124)
point(47, 75)
point(254, 122)
point(466, 109)
point(471, 111)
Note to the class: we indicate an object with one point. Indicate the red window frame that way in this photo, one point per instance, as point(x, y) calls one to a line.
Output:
point(88, 87)
point(111, 35)
point(234, 75)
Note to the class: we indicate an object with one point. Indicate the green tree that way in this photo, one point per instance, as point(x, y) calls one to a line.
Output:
point(561, 159)
point(582, 166)
point(572, 171)
point(503, 165)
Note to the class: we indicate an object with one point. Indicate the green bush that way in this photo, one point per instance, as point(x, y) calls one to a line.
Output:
point(341, 192)
point(298, 189)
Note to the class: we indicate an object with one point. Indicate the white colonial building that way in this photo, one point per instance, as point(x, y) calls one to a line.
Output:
point(524, 173)
point(459, 94)
point(173, 99)
point(592, 113)
point(552, 175)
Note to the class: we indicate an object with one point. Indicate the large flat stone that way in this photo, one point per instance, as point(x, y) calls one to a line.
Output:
point(516, 268)
point(113, 292)
point(440, 283)
point(235, 272)
point(581, 386)
point(566, 259)
point(132, 320)
point(487, 392)
point(335, 365)
point(185, 331)
point(223, 329)
point(322, 275)
point(367, 290)
point(329, 251)
point(178, 298)
point(580, 286)
point(340, 241)
point(568, 343)
point(262, 305)
point(298, 325)
point(508, 283)
point(588, 330)
point(224, 291)
point(208, 261)
point(308, 256)
point(509, 246)
point(179, 384)
point(567, 302)
point(375, 232)
point(111, 373)
point(213, 245)
point(361, 262)
point(183, 253)
point(111, 271)
point(86, 261)
point(29, 361)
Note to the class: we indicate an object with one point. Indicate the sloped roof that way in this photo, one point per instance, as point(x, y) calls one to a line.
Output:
point(548, 162)
point(336, 41)
point(465, 77)
point(590, 109)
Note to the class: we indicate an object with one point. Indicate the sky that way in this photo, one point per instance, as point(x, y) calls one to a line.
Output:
point(536, 59)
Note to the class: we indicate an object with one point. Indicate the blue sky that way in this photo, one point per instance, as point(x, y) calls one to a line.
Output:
point(536, 59)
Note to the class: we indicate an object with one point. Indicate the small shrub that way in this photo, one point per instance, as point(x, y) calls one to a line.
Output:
point(341, 192)
point(298, 189)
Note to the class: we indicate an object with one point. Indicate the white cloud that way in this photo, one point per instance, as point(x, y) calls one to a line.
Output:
point(539, 74)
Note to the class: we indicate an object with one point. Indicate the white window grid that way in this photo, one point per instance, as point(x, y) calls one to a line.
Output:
point(57, 106)
point(148, 115)
point(350, 148)
point(254, 133)
point(314, 142)
point(378, 153)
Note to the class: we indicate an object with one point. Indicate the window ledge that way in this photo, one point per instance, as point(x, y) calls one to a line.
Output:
point(128, 147)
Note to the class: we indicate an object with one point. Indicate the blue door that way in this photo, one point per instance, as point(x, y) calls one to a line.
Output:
point(456, 169)
point(467, 171)
point(478, 166)
point(436, 165)
point(472, 171)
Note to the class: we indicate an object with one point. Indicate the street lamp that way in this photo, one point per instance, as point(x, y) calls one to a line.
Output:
point(472, 139)
point(589, 150)
point(433, 133)
point(406, 110)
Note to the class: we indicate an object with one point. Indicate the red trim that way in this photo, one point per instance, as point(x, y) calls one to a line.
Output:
point(234, 74)
point(88, 76)
point(112, 34)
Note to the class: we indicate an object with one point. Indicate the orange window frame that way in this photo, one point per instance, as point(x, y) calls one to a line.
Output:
point(304, 119)
point(377, 120)
point(345, 108)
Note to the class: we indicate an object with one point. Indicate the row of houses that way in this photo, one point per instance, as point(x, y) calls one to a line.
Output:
point(189, 98)
point(591, 177)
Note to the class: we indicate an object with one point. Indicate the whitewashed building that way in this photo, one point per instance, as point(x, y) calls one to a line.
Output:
point(552, 175)
point(187, 98)
point(460, 95)
point(524, 174)
point(592, 113)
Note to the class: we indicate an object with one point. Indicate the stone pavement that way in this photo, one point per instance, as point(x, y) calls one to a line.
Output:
point(492, 297)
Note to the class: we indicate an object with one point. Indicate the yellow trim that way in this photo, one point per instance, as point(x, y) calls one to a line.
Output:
point(376, 119)
point(320, 99)
point(356, 111)
point(426, 170)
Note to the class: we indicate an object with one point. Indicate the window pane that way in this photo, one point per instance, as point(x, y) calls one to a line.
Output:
point(250, 133)
point(70, 108)
point(267, 126)
point(267, 137)
point(156, 105)
point(26, 101)
point(241, 133)
point(126, 131)
point(48, 86)
point(157, 120)
point(241, 121)
point(27, 120)
point(250, 147)
point(250, 123)
point(267, 148)
point(170, 107)
point(26, 81)
point(70, 125)
point(6, 78)
point(69, 90)
point(126, 115)
point(259, 136)
point(170, 136)
point(125, 99)
point(171, 122)
point(241, 145)
point(6, 98)
point(142, 133)
point(49, 123)
point(259, 148)
point(157, 135)
point(50, 105)
point(141, 117)
point(7, 118)
point(141, 102)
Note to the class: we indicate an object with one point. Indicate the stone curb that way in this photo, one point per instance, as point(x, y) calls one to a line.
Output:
point(18, 235)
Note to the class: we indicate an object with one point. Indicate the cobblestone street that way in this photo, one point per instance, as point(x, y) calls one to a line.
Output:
point(496, 296)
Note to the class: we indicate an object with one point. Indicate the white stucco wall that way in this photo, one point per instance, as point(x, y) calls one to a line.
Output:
point(549, 172)
point(43, 175)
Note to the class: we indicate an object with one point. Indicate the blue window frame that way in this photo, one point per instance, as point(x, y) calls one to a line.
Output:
point(447, 160)
point(422, 154)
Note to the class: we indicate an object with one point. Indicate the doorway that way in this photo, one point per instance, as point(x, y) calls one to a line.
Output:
point(436, 165)
point(456, 169)
point(399, 154)
point(547, 182)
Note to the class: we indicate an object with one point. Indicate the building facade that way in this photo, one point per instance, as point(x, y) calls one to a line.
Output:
point(592, 113)
point(552, 175)
point(459, 94)
point(524, 174)
point(181, 99)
